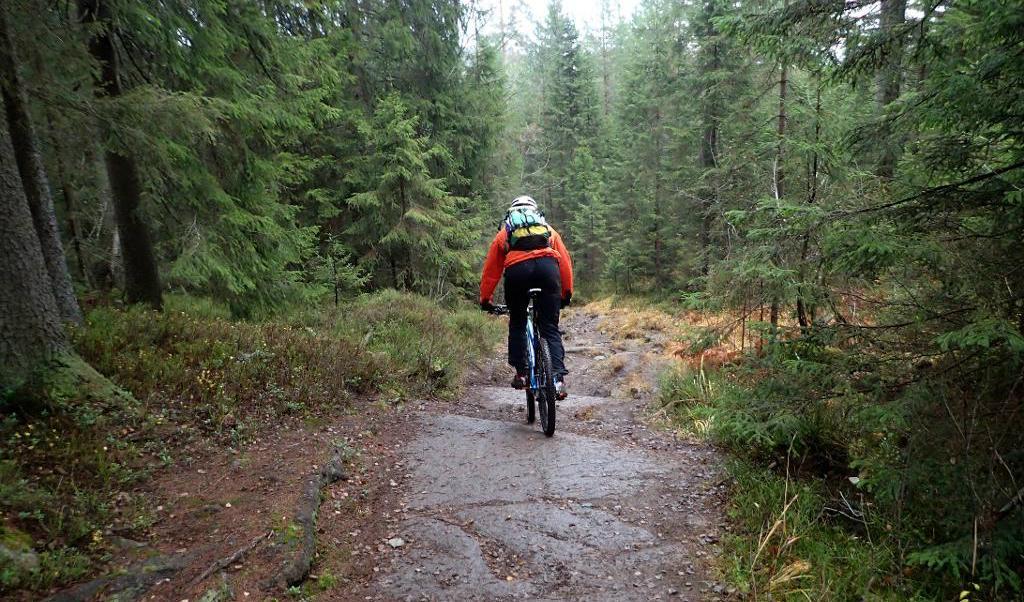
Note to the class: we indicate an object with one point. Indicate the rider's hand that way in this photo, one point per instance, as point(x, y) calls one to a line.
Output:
point(566, 300)
point(487, 306)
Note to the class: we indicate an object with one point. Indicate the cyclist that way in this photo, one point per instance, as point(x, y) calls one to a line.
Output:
point(531, 255)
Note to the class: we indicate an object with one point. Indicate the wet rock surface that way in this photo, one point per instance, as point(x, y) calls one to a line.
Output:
point(607, 509)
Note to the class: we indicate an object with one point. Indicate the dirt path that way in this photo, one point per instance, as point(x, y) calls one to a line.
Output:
point(608, 509)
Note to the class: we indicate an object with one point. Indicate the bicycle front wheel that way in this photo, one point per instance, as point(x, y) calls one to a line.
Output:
point(531, 403)
point(546, 391)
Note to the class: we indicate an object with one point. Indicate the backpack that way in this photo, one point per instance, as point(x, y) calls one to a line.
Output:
point(527, 230)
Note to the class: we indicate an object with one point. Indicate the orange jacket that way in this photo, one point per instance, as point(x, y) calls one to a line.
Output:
point(498, 259)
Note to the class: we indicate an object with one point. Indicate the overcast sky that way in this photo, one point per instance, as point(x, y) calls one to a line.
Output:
point(587, 13)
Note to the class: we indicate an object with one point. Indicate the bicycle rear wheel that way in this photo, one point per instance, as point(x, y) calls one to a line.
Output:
point(546, 391)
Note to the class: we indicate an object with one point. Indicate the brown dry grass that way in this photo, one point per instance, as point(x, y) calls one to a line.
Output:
point(616, 363)
point(624, 321)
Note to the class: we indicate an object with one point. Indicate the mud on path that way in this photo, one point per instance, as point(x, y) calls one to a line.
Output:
point(607, 509)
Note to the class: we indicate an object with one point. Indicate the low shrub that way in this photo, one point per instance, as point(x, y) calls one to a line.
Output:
point(221, 375)
point(426, 347)
point(65, 451)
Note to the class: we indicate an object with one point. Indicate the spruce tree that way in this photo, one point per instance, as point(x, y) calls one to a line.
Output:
point(569, 110)
point(142, 276)
point(587, 225)
point(410, 230)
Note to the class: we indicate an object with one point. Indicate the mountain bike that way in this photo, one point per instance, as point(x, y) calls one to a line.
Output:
point(540, 390)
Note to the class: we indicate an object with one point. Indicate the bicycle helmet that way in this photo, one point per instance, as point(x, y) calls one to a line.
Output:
point(521, 202)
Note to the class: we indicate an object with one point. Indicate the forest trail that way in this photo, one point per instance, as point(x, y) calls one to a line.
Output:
point(607, 509)
point(451, 500)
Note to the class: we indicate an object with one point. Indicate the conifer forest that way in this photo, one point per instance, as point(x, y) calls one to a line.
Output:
point(241, 244)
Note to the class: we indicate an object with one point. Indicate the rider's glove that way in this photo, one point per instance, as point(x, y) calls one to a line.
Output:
point(566, 300)
point(487, 306)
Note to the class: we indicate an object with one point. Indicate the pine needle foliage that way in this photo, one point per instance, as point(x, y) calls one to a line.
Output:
point(410, 226)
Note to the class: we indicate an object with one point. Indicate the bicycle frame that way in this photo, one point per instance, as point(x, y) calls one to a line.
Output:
point(531, 342)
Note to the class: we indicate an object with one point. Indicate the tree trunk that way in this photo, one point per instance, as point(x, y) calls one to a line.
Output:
point(780, 150)
point(743, 326)
point(812, 197)
point(760, 316)
point(658, 251)
point(893, 15)
point(107, 269)
point(708, 149)
point(70, 203)
point(407, 276)
point(30, 323)
point(801, 305)
point(35, 186)
point(591, 248)
point(710, 105)
point(606, 70)
point(334, 275)
point(142, 279)
point(780, 174)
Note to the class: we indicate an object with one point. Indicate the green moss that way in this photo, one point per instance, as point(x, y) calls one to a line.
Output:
point(72, 379)
point(13, 539)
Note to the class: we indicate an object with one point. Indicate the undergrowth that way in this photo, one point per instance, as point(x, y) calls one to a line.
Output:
point(72, 461)
point(849, 486)
point(424, 346)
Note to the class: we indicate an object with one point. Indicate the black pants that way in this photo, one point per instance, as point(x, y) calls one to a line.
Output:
point(539, 273)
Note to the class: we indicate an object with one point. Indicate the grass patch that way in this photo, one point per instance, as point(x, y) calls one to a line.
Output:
point(812, 506)
point(794, 536)
point(625, 318)
point(426, 347)
point(788, 547)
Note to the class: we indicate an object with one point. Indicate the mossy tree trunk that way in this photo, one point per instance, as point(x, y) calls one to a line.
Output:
point(30, 324)
point(35, 186)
